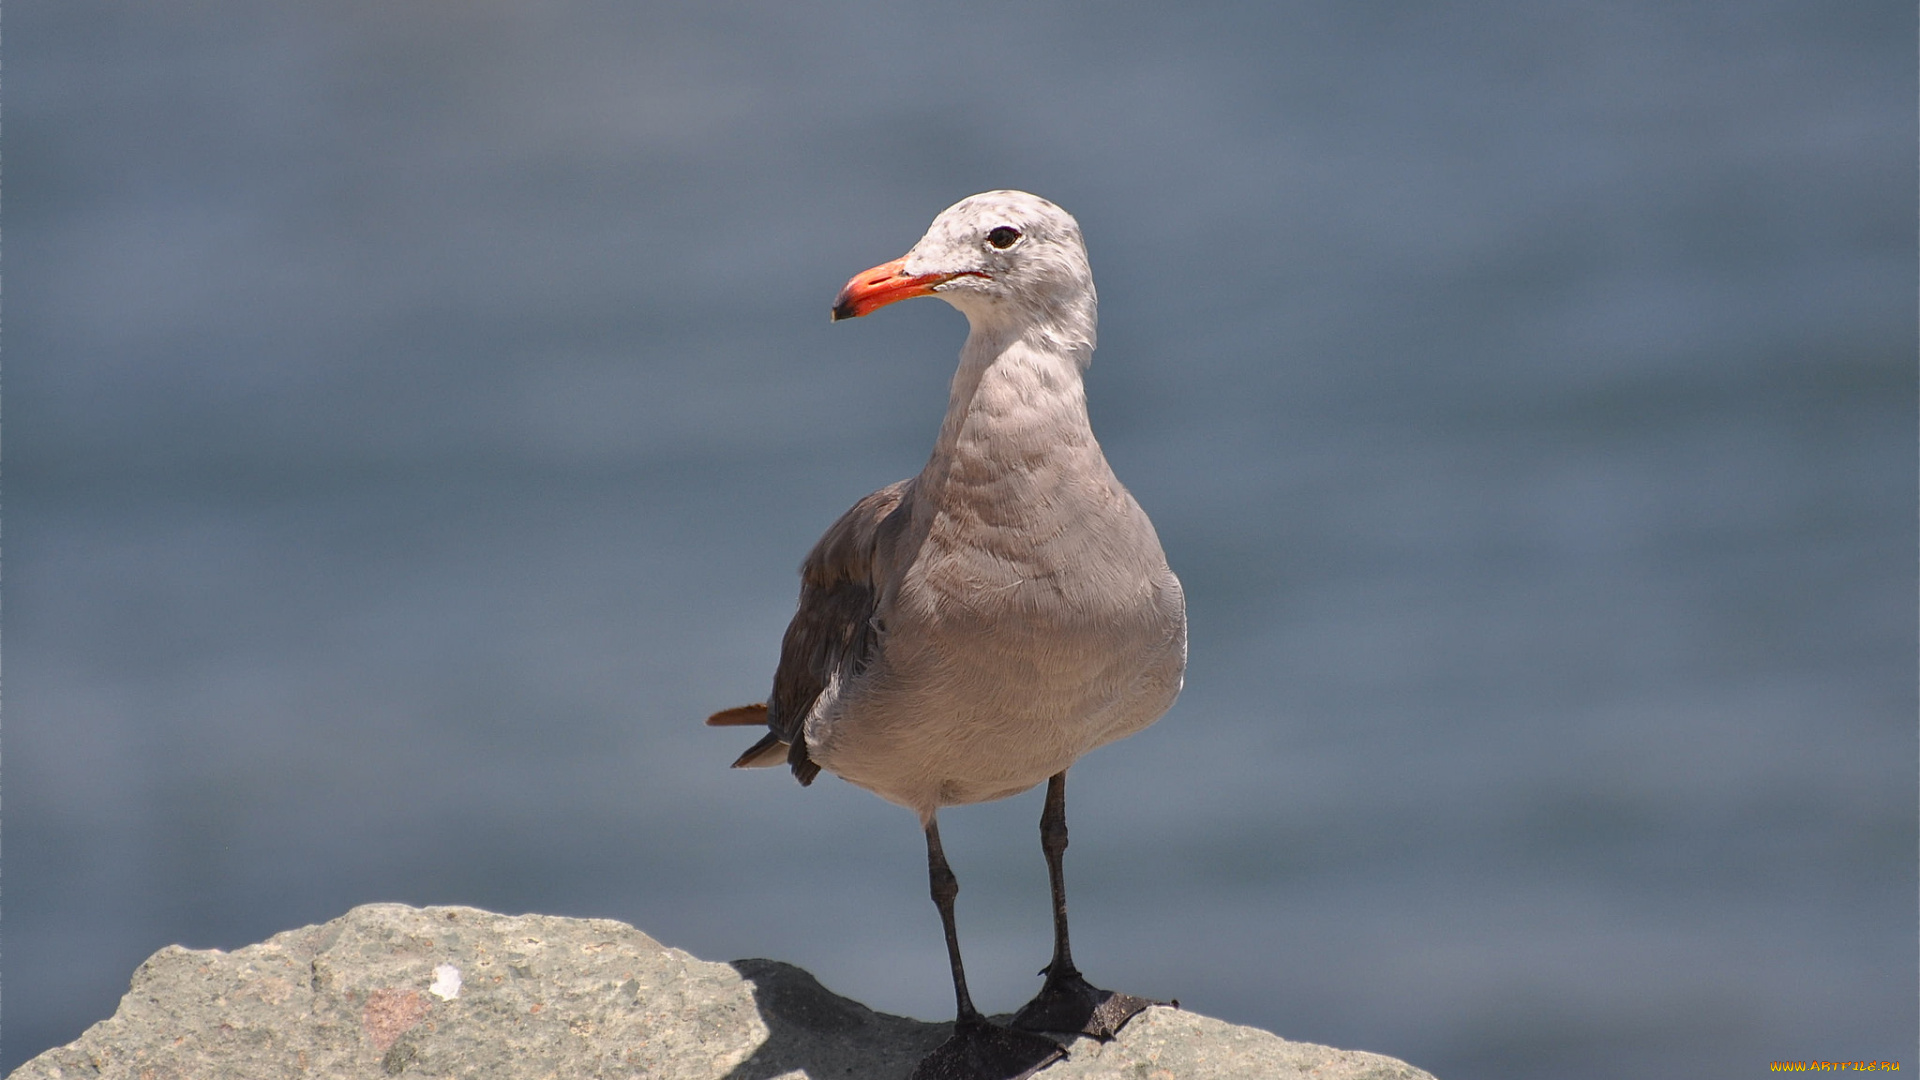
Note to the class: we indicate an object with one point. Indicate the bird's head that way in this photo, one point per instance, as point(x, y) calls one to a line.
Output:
point(1001, 257)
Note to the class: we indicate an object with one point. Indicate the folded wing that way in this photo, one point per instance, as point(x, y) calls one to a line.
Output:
point(832, 635)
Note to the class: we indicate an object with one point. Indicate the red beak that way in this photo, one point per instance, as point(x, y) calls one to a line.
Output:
point(880, 286)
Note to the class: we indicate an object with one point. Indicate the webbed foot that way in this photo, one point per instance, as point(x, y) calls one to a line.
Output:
point(978, 1050)
point(1070, 1003)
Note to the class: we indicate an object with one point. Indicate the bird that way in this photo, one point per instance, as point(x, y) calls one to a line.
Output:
point(971, 632)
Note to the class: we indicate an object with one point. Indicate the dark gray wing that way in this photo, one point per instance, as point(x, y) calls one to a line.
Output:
point(832, 632)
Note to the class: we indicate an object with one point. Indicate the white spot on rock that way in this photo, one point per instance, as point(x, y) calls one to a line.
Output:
point(446, 982)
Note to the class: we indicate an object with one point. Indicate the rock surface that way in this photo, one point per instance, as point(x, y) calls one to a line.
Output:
point(390, 990)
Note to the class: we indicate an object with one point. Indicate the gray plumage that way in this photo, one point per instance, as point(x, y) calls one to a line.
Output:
point(967, 633)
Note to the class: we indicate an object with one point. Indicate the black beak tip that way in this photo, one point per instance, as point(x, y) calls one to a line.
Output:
point(843, 310)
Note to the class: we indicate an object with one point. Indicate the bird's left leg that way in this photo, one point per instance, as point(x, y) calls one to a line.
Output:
point(1067, 1002)
point(977, 1050)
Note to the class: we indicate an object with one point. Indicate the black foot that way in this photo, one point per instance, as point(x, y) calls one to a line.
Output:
point(1071, 1004)
point(983, 1051)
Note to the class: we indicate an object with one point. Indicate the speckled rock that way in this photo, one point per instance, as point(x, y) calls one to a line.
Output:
point(390, 990)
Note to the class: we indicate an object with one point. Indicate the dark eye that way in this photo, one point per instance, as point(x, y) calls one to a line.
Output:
point(1003, 237)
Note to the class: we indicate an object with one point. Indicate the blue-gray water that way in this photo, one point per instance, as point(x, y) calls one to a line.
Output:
point(416, 412)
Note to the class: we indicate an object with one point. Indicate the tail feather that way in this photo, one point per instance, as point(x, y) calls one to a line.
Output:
point(764, 754)
point(769, 751)
point(743, 716)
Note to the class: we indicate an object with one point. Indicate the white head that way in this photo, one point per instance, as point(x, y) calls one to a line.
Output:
point(1007, 259)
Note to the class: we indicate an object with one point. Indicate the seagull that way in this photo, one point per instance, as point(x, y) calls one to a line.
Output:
point(970, 632)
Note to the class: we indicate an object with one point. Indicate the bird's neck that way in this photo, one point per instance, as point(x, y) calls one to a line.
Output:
point(1017, 403)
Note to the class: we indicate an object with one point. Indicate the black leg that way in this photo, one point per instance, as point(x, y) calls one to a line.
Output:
point(1053, 844)
point(977, 1050)
point(1067, 1002)
point(945, 888)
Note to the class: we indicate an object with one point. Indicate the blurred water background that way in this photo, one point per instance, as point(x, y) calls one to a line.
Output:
point(416, 412)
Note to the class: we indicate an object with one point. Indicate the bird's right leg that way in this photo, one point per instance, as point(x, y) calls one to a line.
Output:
point(977, 1050)
point(945, 888)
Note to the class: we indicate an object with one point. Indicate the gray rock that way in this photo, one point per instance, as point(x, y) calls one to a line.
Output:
point(391, 990)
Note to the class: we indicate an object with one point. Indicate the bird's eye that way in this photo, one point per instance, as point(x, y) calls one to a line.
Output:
point(1003, 237)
